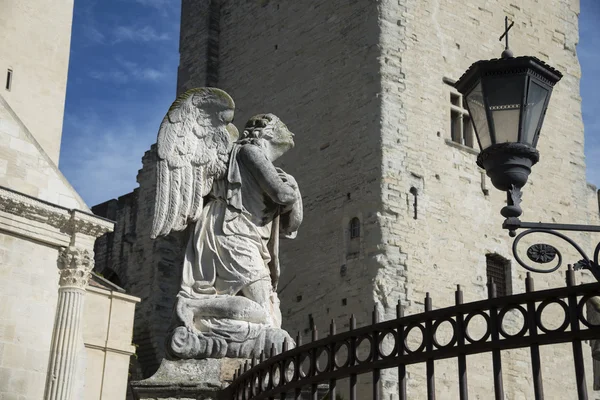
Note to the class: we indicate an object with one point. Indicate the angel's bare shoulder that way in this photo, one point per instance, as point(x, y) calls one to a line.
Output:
point(253, 153)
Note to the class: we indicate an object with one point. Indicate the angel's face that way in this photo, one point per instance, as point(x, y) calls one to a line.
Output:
point(282, 139)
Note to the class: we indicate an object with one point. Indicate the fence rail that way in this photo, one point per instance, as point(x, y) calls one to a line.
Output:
point(383, 345)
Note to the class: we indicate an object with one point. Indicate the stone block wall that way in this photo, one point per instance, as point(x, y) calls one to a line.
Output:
point(28, 283)
point(458, 223)
point(107, 331)
point(314, 64)
point(365, 88)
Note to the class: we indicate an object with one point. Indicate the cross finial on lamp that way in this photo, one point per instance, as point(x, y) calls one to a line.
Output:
point(507, 53)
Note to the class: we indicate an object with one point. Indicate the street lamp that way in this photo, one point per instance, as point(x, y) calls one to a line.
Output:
point(507, 100)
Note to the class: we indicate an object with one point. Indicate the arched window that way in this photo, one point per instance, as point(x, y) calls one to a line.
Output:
point(354, 228)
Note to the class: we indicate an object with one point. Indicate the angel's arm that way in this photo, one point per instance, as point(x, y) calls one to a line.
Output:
point(291, 219)
point(263, 170)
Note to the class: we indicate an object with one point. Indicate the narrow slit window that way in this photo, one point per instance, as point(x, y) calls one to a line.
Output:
point(354, 228)
point(9, 75)
point(353, 238)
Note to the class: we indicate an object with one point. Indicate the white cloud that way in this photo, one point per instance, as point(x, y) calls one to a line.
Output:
point(126, 71)
point(93, 34)
point(108, 157)
point(139, 72)
point(158, 4)
point(113, 75)
point(134, 34)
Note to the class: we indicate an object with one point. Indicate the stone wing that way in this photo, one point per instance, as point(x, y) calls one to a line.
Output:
point(194, 141)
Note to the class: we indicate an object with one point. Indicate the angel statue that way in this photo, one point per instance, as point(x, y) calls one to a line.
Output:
point(239, 205)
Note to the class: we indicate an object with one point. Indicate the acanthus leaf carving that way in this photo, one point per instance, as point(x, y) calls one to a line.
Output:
point(74, 265)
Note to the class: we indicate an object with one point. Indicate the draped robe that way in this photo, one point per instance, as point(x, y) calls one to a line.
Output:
point(229, 248)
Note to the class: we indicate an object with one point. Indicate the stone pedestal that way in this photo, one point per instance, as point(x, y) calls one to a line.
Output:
point(188, 379)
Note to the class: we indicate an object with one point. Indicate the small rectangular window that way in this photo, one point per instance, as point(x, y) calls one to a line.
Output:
point(461, 127)
point(9, 74)
point(498, 269)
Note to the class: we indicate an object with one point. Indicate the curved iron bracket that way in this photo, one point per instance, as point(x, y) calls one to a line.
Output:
point(543, 253)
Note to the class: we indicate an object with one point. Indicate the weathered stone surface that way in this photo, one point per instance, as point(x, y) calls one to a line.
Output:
point(225, 185)
point(107, 329)
point(362, 82)
point(188, 379)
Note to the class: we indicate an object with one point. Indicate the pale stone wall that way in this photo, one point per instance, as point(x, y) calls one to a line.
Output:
point(35, 38)
point(26, 168)
point(108, 324)
point(33, 234)
point(457, 224)
point(28, 283)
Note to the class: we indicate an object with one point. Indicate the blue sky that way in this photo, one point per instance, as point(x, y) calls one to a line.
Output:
point(122, 78)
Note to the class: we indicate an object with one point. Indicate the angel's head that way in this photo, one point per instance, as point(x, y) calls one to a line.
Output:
point(269, 132)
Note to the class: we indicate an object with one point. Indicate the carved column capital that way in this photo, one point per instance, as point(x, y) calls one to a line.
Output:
point(74, 265)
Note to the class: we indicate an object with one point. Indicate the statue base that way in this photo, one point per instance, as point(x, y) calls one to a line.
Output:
point(188, 380)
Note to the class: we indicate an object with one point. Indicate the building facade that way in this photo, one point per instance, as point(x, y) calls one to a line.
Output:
point(35, 39)
point(395, 205)
point(64, 333)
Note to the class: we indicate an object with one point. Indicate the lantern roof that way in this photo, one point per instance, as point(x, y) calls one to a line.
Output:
point(505, 66)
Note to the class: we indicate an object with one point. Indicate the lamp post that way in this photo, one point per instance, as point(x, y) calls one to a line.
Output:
point(507, 100)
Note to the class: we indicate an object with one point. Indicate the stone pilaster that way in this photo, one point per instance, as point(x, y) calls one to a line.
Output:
point(75, 265)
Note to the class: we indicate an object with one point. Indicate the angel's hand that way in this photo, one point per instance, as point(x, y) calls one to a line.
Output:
point(287, 178)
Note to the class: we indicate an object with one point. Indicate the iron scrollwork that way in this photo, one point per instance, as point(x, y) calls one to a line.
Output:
point(543, 253)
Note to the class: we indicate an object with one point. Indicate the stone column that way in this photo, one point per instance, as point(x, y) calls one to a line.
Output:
point(75, 265)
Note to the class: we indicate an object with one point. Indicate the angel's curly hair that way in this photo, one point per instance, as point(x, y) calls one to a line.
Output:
point(261, 126)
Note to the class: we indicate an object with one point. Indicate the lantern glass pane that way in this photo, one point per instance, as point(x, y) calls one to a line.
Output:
point(504, 95)
point(477, 111)
point(534, 108)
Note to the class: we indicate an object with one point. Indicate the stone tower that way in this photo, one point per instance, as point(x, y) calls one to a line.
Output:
point(385, 155)
point(395, 205)
point(35, 37)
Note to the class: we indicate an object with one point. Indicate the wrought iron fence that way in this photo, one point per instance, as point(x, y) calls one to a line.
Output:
point(309, 370)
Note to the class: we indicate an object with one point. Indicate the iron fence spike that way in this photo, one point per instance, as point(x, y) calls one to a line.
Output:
point(491, 288)
point(529, 283)
point(570, 278)
point(427, 302)
point(458, 295)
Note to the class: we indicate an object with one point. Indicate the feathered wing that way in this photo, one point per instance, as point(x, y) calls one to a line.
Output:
point(193, 146)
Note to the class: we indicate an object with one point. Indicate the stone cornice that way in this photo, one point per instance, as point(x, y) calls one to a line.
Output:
point(65, 220)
